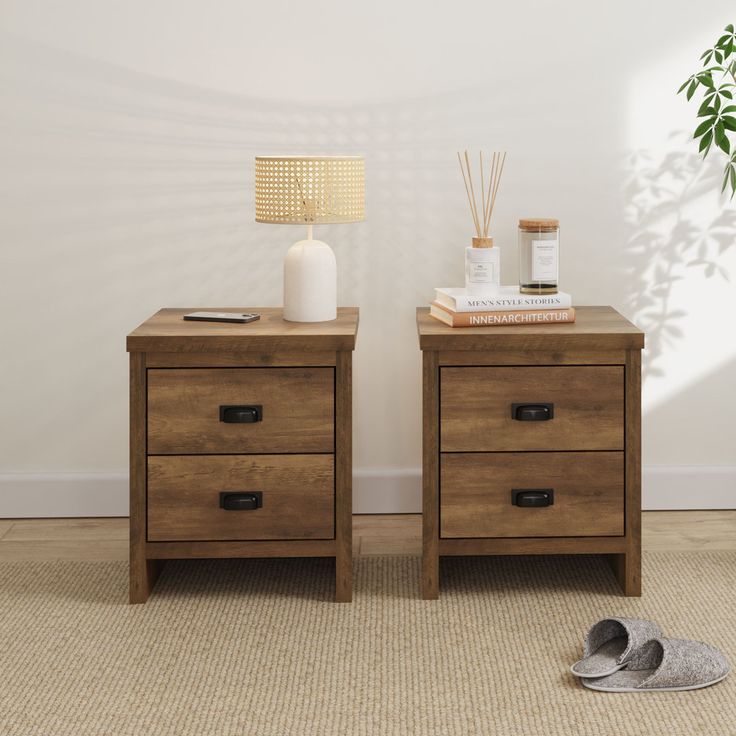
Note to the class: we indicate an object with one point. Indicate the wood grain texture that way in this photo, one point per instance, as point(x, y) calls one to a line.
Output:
point(533, 546)
point(596, 328)
point(476, 404)
point(628, 566)
point(239, 360)
point(430, 476)
point(475, 494)
point(183, 410)
point(167, 332)
point(532, 357)
point(184, 493)
point(343, 478)
point(143, 572)
point(202, 550)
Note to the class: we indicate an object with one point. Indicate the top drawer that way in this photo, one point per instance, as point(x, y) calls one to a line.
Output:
point(296, 410)
point(587, 410)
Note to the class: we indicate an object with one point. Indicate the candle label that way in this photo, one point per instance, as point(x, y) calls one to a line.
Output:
point(544, 260)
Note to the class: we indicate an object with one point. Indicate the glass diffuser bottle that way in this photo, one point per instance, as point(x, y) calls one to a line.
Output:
point(539, 256)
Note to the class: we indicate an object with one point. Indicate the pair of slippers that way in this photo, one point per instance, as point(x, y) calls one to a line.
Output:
point(628, 655)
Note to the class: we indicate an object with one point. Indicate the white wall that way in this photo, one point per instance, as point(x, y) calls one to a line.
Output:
point(126, 184)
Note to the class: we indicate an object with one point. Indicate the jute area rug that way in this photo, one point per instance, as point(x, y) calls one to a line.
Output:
point(248, 647)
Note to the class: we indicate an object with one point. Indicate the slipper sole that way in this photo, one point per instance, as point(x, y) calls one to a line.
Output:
point(651, 689)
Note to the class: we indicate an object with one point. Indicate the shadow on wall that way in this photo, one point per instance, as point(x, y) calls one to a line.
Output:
point(668, 240)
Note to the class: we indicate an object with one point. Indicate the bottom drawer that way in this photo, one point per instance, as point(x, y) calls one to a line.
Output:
point(476, 492)
point(297, 496)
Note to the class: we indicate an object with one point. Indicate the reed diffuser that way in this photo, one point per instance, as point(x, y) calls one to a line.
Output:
point(482, 259)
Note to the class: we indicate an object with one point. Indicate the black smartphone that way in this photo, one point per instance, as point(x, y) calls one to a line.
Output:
point(221, 317)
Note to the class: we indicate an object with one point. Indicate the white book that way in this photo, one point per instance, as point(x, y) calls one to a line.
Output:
point(503, 298)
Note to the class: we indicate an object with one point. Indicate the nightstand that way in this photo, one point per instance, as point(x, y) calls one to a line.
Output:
point(531, 441)
point(240, 441)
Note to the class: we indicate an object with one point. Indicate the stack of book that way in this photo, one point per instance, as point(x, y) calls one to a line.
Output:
point(507, 306)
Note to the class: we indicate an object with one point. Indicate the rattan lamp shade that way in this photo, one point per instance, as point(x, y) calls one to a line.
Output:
point(310, 189)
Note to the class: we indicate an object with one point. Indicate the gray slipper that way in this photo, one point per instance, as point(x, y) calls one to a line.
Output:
point(664, 665)
point(610, 643)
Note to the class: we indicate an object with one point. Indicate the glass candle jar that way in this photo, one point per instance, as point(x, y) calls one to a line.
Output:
point(482, 267)
point(539, 256)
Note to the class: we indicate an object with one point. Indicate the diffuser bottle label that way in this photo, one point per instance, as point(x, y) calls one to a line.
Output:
point(544, 260)
point(480, 273)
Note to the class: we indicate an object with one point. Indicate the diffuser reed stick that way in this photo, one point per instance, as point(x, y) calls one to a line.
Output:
point(482, 222)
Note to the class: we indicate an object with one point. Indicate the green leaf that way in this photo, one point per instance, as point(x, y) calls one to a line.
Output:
point(727, 94)
point(705, 105)
point(722, 40)
point(691, 89)
point(729, 108)
point(733, 181)
point(705, 142)
point(717, 104)
point(706, 79)
point(705, 53)
point(684, 84)
point(726, 176)
point(723, 144)
point(719, 57)
point(728, 50)
point(729, 123)
point(729, 28)
point(705, 125)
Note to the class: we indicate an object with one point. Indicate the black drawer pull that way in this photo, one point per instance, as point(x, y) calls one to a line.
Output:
point(532, 412)
point(235, 501)
point(533, 497)
point(241, 414)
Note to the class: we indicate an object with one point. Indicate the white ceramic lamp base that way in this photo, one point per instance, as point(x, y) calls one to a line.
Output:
point(310, 282)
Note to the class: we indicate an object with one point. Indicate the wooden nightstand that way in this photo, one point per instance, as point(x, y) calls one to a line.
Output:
point(532, 441)
point(240, 441)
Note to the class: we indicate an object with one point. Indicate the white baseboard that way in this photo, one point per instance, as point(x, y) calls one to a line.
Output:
point(38, 495)
point(677, 487)
point(375, 491)
point(387, 491)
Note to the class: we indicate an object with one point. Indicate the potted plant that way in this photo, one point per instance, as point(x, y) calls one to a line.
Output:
point(717, 110)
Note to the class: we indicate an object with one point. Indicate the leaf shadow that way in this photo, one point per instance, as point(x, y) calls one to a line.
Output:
point(666, 243)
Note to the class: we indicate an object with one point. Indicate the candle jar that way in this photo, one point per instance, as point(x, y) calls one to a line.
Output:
point(482, 267)
point(539, 256)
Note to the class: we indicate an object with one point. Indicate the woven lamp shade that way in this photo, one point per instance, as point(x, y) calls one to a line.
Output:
point(310, 189)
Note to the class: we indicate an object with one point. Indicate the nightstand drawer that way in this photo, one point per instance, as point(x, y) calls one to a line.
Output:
point(293, 495)
point(240, 410)
point(586, 490)
point(486, 409)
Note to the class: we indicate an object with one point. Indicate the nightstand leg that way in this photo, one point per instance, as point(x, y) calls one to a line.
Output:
point(344, 477)
point(143, 572)
point(344, 578)
point(430, 477)
point(143, 575)
point(627, 569)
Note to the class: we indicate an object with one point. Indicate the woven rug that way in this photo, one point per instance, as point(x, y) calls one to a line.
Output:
point(247, 647)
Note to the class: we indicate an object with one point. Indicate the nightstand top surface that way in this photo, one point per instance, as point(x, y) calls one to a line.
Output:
point(167, 332)
point(595, 328)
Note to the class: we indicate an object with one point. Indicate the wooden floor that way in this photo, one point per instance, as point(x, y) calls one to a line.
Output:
point(107, 539)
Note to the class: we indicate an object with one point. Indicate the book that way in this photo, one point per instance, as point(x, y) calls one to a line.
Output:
point(505, 298)
point(499, 319)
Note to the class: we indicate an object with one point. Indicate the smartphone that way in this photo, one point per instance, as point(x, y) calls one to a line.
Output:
point(221, 317)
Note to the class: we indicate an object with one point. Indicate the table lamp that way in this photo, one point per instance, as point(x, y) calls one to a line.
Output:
point(310, 190)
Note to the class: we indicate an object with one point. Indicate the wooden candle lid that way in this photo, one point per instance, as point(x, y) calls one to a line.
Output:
point(482, 242)
point(538, 224)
